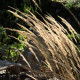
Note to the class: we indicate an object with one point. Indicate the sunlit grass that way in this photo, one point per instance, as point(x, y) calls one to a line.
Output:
point(49, 39)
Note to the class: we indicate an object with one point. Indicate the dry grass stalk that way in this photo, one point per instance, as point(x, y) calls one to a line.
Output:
point(36, 5)
point(52, 42)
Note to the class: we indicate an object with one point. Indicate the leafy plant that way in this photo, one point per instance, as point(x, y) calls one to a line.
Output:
point(9, 50)
point(14, 55)
point(5, 41)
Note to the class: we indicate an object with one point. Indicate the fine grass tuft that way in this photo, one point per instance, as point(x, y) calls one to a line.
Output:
point(49, 38)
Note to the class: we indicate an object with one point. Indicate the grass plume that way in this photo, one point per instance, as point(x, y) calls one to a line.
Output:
point(50, 39)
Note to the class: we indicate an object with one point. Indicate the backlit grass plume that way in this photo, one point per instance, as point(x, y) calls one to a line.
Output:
point(49, 38)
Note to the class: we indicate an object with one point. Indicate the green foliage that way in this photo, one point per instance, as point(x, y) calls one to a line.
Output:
point(77, 37)
point(22, 5)
point(5, 46)
point(72, 36)
point(4, 39)
point(74, 3)
point(69, 3)
point(9, 21)
point(14, 55)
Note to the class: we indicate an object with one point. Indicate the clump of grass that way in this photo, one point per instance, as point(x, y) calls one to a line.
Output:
point(49, 38)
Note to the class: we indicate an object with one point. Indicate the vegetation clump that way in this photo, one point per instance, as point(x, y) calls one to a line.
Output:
point(51, 44)
point(49, 39)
